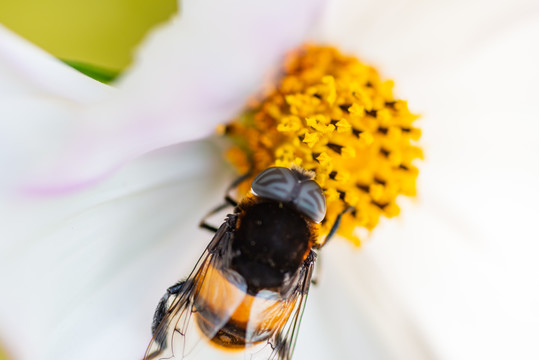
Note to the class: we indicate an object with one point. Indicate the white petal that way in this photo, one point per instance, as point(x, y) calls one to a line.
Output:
point(355, 312)
point(464, 261)
point(481, 182)
point(81, 279)
point(191, 75)
point(407, 37)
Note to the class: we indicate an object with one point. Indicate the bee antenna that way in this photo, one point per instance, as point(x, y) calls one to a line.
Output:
point(336, 225)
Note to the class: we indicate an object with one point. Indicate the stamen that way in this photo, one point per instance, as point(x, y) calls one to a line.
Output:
point(372, 113)
point(335, 147)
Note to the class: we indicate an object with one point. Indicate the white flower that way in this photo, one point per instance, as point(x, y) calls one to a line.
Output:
point(87, 251)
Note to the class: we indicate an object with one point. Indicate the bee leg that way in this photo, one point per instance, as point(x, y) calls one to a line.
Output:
point(204, 225)
point(229, 202)
point(335, 225)
point(163, 305)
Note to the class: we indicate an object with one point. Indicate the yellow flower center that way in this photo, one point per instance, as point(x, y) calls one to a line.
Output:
point(332, 114)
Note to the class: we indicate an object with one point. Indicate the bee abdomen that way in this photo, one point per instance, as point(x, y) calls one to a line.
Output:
point(231, 318)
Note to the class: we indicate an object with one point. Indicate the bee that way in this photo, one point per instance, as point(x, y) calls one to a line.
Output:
point(249, 288)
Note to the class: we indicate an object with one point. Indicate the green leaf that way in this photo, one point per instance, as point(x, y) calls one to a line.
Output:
point(95, 72)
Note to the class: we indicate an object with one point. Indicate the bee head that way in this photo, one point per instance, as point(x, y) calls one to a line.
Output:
point(295, 187)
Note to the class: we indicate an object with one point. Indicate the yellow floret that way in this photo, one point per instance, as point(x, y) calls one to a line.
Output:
point(334, 115)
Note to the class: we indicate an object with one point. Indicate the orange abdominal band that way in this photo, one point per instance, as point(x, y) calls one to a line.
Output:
point(218, 298)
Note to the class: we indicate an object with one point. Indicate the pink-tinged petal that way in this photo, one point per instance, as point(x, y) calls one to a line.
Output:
point(82, 273)
point(40, 104)
point(209, 61)
point(190, 75)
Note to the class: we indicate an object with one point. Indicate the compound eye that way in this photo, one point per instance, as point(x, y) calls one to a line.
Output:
point(276, 183)
point(280, 184)
point(311, 201)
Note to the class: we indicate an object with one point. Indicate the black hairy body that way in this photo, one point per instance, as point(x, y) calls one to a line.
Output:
point(271, 241)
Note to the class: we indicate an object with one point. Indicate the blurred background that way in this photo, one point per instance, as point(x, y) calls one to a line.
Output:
point(99, 32)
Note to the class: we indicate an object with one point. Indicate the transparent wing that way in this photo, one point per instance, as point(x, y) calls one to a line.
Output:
point(176, 335)
point(282, 342)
